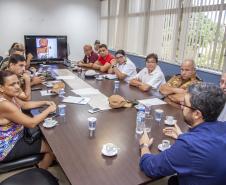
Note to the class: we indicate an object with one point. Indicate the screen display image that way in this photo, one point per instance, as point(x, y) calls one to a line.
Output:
point(46, 48)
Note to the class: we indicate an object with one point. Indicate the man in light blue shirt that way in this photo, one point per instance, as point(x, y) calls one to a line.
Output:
point(198, 157)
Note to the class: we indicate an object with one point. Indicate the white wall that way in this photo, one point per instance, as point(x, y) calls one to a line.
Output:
point(78, 19)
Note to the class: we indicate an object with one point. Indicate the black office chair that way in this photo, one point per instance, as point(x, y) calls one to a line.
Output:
point(20, 163)
point(35, 176)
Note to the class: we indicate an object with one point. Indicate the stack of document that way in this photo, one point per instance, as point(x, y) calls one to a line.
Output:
point(86, 92)
point(47, 93)
point(65, 77)
point(152, 101)
point(77, 100)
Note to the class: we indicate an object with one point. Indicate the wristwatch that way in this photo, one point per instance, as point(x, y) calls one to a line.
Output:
point(144, 145)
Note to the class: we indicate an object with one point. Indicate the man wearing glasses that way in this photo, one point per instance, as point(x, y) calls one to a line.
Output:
point(222, 116)
point(177, 86)
point(149, 78)
point(198, 156)
point(105, 59)
point(124, 68)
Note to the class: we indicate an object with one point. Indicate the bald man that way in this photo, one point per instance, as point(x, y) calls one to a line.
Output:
point(175, 89)
point(89, 58)
point(222, 116)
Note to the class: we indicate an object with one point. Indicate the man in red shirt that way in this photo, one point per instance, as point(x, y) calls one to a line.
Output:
point(105, 59)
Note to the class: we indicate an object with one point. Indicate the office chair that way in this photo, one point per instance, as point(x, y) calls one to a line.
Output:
point(34, 176)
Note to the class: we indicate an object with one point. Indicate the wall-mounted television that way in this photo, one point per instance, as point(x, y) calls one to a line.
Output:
point(46, 47)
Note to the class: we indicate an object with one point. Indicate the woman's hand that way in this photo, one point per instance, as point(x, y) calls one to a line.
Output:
point(49, 103)
point(52, 107)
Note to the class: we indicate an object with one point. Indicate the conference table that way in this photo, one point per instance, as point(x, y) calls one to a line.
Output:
point(78, 151)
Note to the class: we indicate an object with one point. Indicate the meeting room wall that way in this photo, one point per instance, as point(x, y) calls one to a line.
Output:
point(78, 19)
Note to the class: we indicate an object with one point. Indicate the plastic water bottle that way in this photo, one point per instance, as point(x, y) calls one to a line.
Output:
point(61, 93)
point(140, 121)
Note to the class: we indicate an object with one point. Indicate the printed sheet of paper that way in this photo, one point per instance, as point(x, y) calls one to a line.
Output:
point(77, 100)
point(65, 77)
point(152, 101)
point(97, 100)
point(46, 93)
point(86, 92)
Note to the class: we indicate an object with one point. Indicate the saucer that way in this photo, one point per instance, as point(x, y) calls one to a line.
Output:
point(161, 148)
point(49, 124)
point(174, 122)
point(99, 78)
point(111, 153)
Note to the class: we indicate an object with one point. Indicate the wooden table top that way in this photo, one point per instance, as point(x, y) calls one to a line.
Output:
point(79, 153)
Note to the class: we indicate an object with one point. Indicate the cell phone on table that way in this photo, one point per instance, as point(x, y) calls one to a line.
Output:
point(36, 88)
point(93, 110)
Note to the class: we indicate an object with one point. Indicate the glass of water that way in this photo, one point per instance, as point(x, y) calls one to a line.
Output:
point(116, 84)
point(158, 115)
point(148, 112)
point(61, 109)
point(147, 125)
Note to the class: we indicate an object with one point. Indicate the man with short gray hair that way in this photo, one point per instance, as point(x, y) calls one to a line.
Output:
point(197, 156)
point(89, 58)
point(175, 89)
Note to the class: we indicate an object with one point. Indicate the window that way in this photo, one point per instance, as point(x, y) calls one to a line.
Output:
point(174, 29)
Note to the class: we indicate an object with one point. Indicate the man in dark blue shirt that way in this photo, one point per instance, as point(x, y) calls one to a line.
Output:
point(198, 157)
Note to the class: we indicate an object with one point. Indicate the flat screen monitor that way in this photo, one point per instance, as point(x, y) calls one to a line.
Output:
point(46, 47)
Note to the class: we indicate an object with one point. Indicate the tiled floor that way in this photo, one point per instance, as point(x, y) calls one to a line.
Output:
point(58, 172)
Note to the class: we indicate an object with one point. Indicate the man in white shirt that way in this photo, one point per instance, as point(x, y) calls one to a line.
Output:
point(124, 68)
point(151, 77)
point(222, 116)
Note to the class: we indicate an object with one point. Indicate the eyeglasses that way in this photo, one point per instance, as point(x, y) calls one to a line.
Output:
point(119, 57)
point(152, 62)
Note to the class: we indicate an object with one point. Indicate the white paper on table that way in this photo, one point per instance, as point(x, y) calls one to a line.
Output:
point(50, 83)
point(46, 93)
point(65, 77)
point(152, 101)
point(110, 76)
point(77, 100)
point(100, 101)
point(86, 91)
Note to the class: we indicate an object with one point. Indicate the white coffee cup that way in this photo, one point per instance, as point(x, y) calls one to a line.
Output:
point(165, 144)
